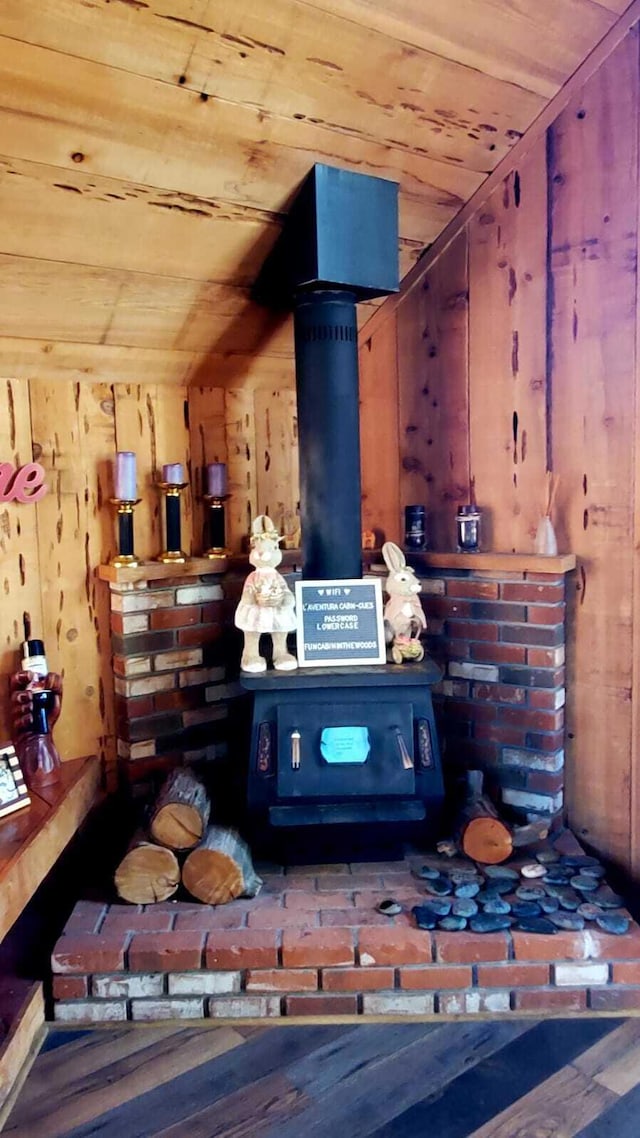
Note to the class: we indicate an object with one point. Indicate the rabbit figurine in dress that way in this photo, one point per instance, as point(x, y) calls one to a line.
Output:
point(404, 619)
point(267, 603)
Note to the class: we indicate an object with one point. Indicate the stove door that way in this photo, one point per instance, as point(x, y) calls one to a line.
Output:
point(319, 757)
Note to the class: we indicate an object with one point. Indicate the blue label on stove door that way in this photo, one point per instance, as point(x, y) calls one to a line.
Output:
point(345, 744)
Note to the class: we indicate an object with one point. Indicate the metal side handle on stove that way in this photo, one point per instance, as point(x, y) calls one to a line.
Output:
point(295, 750)
point(407, 761)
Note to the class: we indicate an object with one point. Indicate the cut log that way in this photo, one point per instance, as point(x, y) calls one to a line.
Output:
point(483, 835)
point(220, 869)
point(147, 872)
point(181, 811)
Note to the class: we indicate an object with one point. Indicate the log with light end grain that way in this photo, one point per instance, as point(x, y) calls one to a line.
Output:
point(147, 873)
point(481, 833)
point(220, 868)
point(181, 811)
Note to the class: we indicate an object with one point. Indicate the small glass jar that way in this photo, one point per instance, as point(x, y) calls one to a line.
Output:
point(468, 529)
point(415, 534)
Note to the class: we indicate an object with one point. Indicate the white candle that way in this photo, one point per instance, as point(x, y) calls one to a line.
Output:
point(217, 479)
point(172, 473)
point(125, 476)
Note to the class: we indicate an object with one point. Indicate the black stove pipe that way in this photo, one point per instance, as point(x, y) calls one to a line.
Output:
point(326, 348)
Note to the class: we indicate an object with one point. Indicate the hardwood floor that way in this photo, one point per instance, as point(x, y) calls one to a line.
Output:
point(577, 1078)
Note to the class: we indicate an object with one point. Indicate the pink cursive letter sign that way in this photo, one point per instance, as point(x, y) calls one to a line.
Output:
point(26, 484)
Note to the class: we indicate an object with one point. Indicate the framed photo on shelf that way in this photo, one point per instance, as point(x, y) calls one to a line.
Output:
point(13, 789)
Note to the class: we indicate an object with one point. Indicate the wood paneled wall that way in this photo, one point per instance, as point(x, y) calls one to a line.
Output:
point(50, 550)
point(516, 353)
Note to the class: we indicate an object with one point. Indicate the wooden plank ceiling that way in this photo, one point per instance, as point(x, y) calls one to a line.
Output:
point(150, 148)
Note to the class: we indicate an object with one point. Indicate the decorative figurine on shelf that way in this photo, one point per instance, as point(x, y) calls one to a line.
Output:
point(267, 603)
point(36, 697)
point(404, 619)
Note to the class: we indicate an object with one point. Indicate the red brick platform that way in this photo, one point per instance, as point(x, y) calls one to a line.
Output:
point(312, 943)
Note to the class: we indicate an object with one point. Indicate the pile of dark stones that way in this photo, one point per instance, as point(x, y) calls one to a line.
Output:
point(551, 892)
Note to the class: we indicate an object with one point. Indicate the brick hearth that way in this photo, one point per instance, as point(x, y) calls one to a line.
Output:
point(313, 944)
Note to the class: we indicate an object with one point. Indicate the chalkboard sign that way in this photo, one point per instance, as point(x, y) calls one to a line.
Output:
point(340, 622)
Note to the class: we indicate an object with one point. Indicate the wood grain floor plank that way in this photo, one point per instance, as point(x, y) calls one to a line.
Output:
point(368, 1098)
point(615, 1061)
point(355, 1051)
point(255, 1110)
point(557, 1108)
point(489, 1087)
point(169, 1104)
point(86, 1098)
point(620, 1121)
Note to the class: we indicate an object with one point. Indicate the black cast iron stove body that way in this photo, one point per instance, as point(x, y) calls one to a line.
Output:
point(337, 744)
point(389, 772)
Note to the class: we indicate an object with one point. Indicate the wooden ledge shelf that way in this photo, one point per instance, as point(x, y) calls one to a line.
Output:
point(502, 562)
point(31, 840)
point(158, 571)
point(292, 559)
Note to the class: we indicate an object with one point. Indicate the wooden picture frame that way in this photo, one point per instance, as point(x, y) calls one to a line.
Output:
point(13, 789)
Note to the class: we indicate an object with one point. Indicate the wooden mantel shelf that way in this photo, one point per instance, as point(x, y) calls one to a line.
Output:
point(158, 571)
point(292, 558)
point(503, 562)
point(31, 840)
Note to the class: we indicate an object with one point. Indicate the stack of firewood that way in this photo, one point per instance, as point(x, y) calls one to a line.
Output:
point(213, 863)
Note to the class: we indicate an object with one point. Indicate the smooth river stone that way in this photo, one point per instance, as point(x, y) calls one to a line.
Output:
point(532, 869)
point(606, 898)
point(489, 923)
point(591, 912)
point(534, 925)
point(389, 908)
point(495, 872)
point(570, 901)
point(467, 889)
point(425, 918)
point(440, 886)
point(593, 870)
point(496, 905)
point(549, 904)
point(554, 890)
point(547, 857)
point(584, 884)
point(529, 892)
point(526, 909)
point(570, 921)
point(441, 906)
point(458, 876)
point(426, 873)
point(453, 924)
point(464, 907)
point(578, 861)
point(613, 923)
point(556, 876)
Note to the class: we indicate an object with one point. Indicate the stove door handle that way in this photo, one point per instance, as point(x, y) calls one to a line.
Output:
point(295, 750)
point(407, 761)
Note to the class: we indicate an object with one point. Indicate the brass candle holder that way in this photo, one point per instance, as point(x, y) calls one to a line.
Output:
point(172, 492)
point(125, 558)
point(215, 525)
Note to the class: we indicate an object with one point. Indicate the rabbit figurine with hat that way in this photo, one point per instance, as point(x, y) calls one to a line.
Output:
point(267, 603)
point(404, 619)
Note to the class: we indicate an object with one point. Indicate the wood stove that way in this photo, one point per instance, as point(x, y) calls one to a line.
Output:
point(338, 745)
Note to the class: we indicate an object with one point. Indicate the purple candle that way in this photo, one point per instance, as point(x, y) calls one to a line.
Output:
point(217, 479)
point(125, 476)
point(172, 473)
